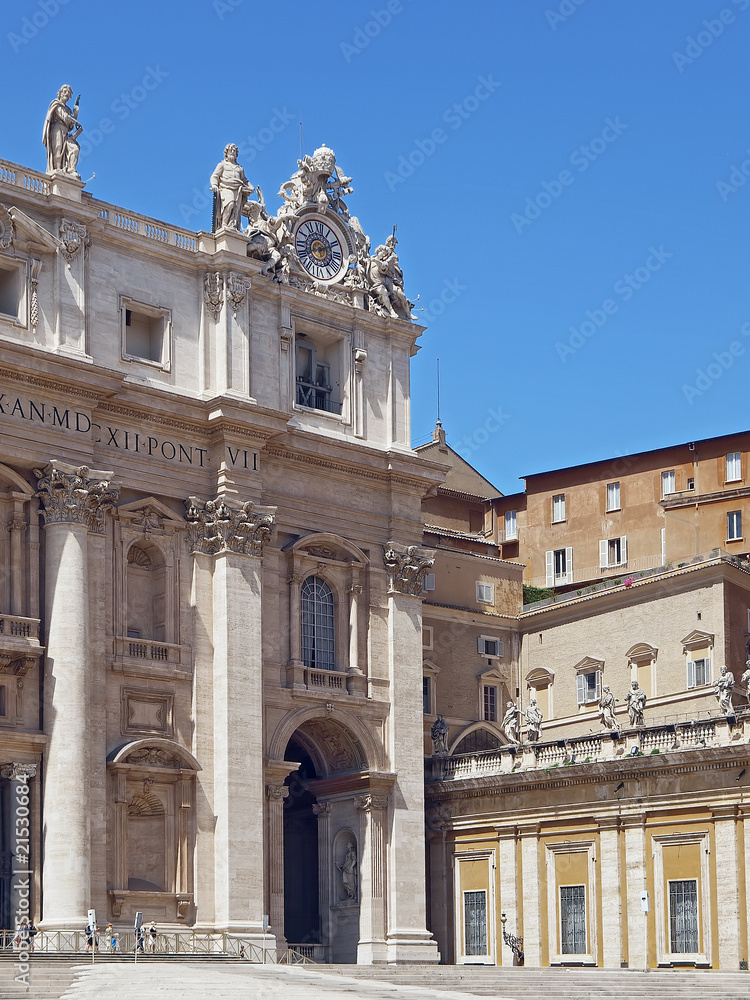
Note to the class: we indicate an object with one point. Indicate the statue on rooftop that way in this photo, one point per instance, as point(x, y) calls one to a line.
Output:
point(439, 734)
point(61, 129)
point(745, 679)
point(636, 700)
point(385, 280)
point(231, 189)
point(607, 710)
point(723, 688)
point(533, 722)
point(510, 722)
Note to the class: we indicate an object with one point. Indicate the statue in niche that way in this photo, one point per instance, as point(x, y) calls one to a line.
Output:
point(510, 723)
point(723, 688)
point(636, 700)
point(61, 129)
point(231, 188)
point(349, 871)
point(607, 710)
point(439, 734)
point(533, 722)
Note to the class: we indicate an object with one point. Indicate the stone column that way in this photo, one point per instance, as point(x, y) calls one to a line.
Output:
point(635, 879)
point(356, 680)
point(295, 668)
point(277, 795)
point(323, 811)
point(440, 867)
point(23, 820)
point(727, 886)
point(407, 936)
point(234, 535)
point(74, 502)
point(372, 933)
point(507, 840)
point(17, 528)
point(609, 862)
point(531, 888)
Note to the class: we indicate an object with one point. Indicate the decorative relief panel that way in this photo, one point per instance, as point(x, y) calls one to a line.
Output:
point(145, 711)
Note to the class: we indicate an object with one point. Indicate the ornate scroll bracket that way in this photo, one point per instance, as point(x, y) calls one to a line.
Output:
point(75, 495)
point(407, 566)
point(226, 526)
point(369, 803)
point(218, 288)
point(7, 231)
point(236, 290)
point(213, 293)
point(19, 666)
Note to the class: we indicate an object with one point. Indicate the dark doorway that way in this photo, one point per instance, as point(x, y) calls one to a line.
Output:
point(301, 905)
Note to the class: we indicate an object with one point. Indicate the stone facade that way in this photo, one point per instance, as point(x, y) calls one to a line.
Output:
point(229, 660)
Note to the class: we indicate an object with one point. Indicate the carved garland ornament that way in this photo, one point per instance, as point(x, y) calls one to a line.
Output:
point(407, 566)
point(221, 526)
point(69, 495)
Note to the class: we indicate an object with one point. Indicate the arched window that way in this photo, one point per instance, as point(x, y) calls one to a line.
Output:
point(476, 741)
point(317, 624)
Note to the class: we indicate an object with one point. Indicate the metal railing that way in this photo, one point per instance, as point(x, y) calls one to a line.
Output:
point(75, 942)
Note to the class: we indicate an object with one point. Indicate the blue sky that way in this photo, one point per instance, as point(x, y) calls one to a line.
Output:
point(566, 175)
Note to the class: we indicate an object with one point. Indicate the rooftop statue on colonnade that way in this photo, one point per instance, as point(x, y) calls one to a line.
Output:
point(61, 129)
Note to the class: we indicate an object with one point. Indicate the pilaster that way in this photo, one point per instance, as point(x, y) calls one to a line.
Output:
point(507, 840)
point(531, 888)
point(611, 903)
point(727, 884)
point(372, 932)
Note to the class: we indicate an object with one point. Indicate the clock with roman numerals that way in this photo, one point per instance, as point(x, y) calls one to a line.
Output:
point(320, 250)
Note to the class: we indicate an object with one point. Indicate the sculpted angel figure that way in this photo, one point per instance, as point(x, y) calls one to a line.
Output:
point(723, 688)
point(61, 129)
point(231, 186)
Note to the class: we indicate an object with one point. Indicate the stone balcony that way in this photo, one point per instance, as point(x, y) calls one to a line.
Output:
point(19, 644)
point(695, 734)
point(149, 658)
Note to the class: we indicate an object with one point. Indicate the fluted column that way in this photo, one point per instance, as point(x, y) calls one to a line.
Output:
point(277, 795)
point(234, 534)
point(372, 945)
point(407, 935)
point(295, 674)
point(356, 682)
point(17, 528)
point(74, 503)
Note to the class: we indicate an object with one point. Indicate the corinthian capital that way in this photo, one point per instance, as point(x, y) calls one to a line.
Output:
point(407, 567)
point(18, 772)
point(75, 495)
point(228, 526)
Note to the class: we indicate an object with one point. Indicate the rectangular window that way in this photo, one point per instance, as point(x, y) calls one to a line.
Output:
point(734, 467)
point(588, 687)
point(573, 919)
point(613, 552)
point(11, 291)
point(317, 375)
point(691, 484)
point(734, 525)
point(559, 566)
point(485, 593)
point(489, 646)
point(511, 527)
point(429, 582)
point(558, 507)
point(475, 922)
point(426, 695)
point(427, 637)
point(490, 703)
point(146, 333)
point(476, 521)
point(613, 496)
point(683, 917)
point(667, 483)
point(699, 672)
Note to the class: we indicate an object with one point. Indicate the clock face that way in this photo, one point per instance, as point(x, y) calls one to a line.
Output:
point(320, 250)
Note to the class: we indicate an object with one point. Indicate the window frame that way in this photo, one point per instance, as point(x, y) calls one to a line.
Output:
point(554, 928)
point(605, 545)
point(146, 309)
point(596, 698)
point(485, 592)
point(482, 641)
point(664, 956)
point(583, 950)
point(470, 858)
point(734, 520)
point(512, 534)
point(558, 506)
point(553, 578)
point(706, 661)
point(610, 506)
point(733, 465)
point(18, 267)
point(328, 656)
point(673, 480)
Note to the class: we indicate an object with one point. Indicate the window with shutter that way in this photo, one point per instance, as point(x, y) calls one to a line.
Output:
point(549, 558)
point(558, 507)
point(613, 496)
point(581, 689)
point(734, 526)
point(485, 593)
point(429, 582)
point(667, 483)
point(511, 529)
point(603, 554)
point(569, 565)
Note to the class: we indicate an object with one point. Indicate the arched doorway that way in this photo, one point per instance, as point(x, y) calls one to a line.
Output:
point(323, 840)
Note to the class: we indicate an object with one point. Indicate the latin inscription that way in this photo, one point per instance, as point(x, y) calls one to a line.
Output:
point(76, 421)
